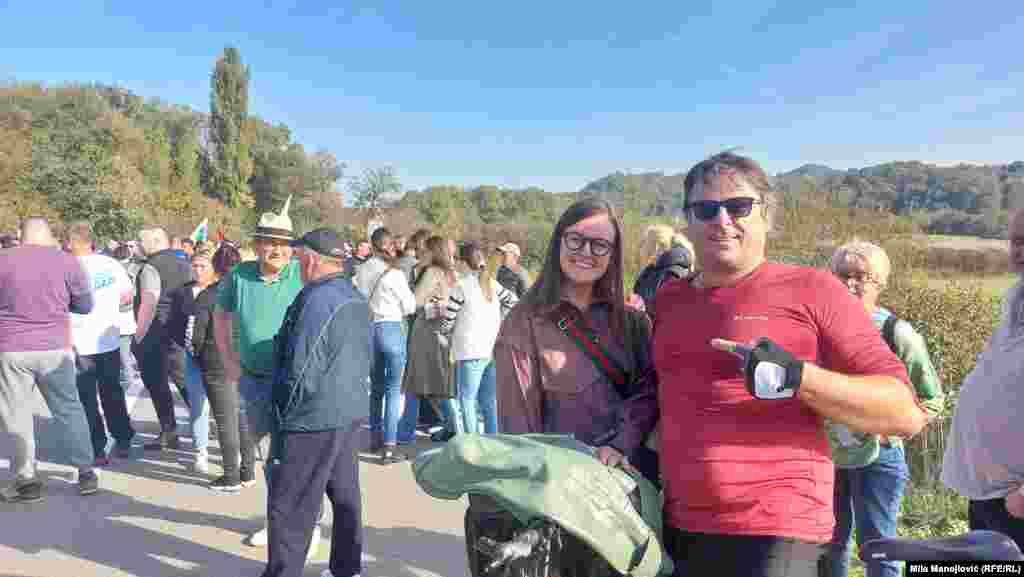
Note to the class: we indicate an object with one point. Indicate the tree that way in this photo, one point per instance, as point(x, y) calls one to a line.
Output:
point(229, 112)
point(444, 208)
point(375, 189)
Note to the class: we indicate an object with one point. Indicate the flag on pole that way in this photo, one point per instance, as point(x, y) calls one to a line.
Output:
point(201, 231)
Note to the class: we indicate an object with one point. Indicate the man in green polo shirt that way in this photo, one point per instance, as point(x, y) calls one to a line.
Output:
point(254, 297)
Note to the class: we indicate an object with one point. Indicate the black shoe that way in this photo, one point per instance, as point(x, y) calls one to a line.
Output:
point(391, 456)
point(30, 492)
point(442, 436)
point(224, 484)
point(246, 477)
point(88, 483)
point(167, 440)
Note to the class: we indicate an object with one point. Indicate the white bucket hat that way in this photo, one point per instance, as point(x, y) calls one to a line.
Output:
point(277, 226)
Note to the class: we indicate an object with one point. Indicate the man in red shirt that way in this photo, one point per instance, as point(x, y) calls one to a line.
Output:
point(768, 352)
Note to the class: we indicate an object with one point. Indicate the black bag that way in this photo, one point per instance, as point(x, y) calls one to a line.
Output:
point(494, 538)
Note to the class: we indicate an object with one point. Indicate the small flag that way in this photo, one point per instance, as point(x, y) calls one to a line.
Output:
point(220, 235)
point(201, 231)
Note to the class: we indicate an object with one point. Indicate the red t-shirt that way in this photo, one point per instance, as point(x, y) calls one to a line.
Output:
point(733, 464)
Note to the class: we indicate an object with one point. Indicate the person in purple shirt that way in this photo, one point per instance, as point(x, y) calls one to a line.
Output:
point(40, 286)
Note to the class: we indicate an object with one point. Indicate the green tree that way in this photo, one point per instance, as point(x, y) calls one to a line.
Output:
point(229, 113)
point(375, 189)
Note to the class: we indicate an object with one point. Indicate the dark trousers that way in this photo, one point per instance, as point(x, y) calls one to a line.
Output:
point(223, 397)
point(310, 464)
point(991, 515)
point(742, 555)
point(102, 373)
point(153, 358)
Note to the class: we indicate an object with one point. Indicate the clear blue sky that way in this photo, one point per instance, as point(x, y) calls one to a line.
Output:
point(556, 94)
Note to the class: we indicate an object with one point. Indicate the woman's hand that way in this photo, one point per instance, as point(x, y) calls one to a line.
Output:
point(613, 458)
point(636, 301)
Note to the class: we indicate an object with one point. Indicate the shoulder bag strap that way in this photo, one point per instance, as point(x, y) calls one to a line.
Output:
point(579, 332)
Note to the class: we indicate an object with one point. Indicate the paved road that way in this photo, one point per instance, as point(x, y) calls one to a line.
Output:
point(155, 518)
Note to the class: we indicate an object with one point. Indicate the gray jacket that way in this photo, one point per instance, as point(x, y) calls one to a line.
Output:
point(322, 358)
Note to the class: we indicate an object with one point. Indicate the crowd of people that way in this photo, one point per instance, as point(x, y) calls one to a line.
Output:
point(768, 402)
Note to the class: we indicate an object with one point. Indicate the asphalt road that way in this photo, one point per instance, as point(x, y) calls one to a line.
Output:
point(154, 517)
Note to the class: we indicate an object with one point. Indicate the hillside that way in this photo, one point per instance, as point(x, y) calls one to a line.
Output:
point(104, 154)
point(963, 199)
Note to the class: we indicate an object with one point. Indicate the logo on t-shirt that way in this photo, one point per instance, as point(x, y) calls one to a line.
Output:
point(102, 279)
point(751, 318)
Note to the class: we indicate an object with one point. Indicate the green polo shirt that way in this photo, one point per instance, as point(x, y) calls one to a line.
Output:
point(259, 306)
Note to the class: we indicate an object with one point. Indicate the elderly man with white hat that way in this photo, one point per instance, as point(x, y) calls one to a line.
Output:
point(511, 274)
point(254, 298)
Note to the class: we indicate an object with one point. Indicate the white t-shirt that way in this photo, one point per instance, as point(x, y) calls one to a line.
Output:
point(100, 331)
point(983, 459)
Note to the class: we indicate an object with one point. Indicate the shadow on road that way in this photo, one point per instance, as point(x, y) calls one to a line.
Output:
point(111, 529)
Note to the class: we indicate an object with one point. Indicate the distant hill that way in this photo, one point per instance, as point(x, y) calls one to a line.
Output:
point(962, 199)
point(814, 170)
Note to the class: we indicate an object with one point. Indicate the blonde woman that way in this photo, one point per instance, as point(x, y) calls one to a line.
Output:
point(871, 470)
point(476, 307)
point(668, 255)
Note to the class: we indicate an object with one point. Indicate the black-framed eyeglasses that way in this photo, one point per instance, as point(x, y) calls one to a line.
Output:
point(736, 207)
point(574, 241)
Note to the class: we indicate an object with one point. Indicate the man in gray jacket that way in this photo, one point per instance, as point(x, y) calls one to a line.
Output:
point(322, 364)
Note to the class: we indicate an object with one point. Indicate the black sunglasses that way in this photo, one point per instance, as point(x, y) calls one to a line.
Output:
point(574, 241)
point(737, 207)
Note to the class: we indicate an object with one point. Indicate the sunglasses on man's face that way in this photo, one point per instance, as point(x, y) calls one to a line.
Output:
point(737, 207)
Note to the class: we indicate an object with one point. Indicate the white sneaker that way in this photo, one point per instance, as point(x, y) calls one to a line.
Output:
point(202, 462)
point(314, 544)
point(259, 538)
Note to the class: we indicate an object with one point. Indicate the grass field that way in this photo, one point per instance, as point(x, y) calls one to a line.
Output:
point(995, 285)
point(966, 242)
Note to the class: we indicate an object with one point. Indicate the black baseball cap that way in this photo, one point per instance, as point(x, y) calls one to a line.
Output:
point(322, 241)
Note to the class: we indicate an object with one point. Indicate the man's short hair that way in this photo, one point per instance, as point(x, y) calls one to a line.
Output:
point(378, 236)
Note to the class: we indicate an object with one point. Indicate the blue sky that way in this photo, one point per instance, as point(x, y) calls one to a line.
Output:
point(556, 94)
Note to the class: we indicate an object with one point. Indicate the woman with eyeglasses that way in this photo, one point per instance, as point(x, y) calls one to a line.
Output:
point(871, 470)
point(548, 378)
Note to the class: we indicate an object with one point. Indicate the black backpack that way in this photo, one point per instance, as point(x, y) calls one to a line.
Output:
point(889, 331)
point(675, 263)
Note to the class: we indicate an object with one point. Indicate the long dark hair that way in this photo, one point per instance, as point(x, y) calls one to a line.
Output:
point(547, 289)
point(225, 259)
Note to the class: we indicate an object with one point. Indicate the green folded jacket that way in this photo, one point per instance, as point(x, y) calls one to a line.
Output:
point(556, 478)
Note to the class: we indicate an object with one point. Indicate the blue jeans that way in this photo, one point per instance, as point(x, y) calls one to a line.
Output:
point(449, 411)
point(389, 354)
point(478, 388)
point(199, 407)
point(871, 496)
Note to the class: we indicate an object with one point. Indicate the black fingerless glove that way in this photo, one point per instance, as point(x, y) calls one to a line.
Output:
point(772, 372)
